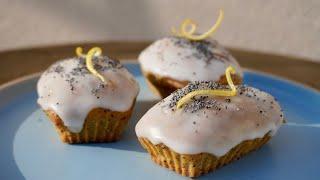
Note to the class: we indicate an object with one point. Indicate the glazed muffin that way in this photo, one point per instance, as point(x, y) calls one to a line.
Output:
point(208, 132)
point(88, 105)
point(172, 62)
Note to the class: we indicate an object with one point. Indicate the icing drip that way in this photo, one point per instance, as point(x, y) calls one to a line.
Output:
point(210, 124)
point(187, 60)
point(71, 91)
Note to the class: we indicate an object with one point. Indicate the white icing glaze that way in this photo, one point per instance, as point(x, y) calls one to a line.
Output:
point(72, 93)
point(211, 130)
point(183, 60)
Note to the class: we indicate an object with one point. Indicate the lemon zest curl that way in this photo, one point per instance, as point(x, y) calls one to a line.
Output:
point(96, 51)
point(212, 92)
point(188, 28)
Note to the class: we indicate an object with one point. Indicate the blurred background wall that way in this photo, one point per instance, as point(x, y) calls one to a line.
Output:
point(285, 27)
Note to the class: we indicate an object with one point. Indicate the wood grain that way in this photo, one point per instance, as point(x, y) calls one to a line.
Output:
point(17, 63)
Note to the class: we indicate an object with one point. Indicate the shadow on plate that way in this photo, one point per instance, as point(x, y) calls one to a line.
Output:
point(129, 140)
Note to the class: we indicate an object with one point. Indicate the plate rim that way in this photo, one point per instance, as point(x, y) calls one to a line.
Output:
point(29, 77)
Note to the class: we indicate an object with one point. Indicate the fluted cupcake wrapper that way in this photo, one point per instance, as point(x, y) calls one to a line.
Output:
point(160, 86)
point(164, 86)
point(193, 165)
point(100, 126)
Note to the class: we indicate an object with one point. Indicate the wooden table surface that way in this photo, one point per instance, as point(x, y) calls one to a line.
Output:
point(17, 63)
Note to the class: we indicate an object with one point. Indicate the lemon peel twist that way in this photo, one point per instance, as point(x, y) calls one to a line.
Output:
point(79, 52)
point(96, 51)
point(188, 28)
point(214, 92)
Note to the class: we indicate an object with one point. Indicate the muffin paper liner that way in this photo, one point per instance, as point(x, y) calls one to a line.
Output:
point(100, 125)
point(193, 165)
point(164, 86)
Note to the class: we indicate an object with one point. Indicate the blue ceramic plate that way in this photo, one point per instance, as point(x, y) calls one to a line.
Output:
point(31, 149)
